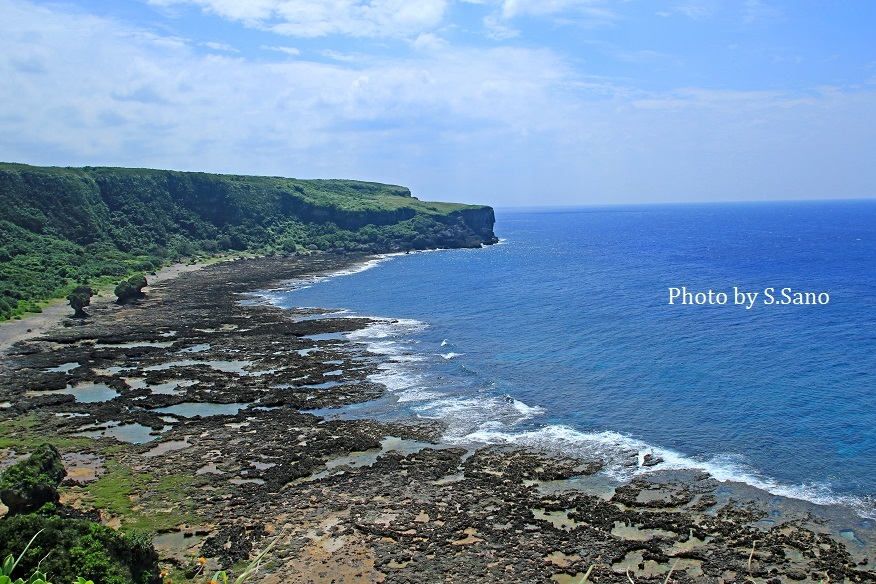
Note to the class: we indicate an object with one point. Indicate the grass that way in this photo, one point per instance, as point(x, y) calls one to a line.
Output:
point(23, 433)
point(135, 498)
point(118, 487)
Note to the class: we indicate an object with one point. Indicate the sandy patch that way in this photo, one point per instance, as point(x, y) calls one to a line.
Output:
point(53, 315)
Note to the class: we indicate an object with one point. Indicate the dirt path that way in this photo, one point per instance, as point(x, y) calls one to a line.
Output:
point(53, 316)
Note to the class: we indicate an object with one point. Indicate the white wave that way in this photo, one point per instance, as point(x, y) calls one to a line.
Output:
point(728, 467)
point(387, 348)
point(530, 411)
point(383, 328)
point(417, 394)
point(357, 268)
point(407, 358)
point(444, 343)
point(395, 380)
point(623, 457)
point(347, 271)
point(450, 355)
point(278, 294)
point(608, 446)
point(466, 415)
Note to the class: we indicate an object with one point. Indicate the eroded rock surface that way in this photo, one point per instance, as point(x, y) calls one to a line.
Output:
point(222, 458)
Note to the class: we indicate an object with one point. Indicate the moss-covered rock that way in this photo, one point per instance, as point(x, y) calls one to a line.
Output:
point(79, 299)
point(131, 288)
point(29, 484)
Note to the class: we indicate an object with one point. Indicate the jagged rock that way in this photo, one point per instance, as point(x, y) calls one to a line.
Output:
point(651, 460)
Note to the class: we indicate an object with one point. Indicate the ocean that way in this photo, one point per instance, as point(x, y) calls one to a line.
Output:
point(592, 330)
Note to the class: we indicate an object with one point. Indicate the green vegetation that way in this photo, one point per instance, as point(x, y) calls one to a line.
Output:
point(28, 432)
point(10, 564)
point(31, 483)
point(57, 542)
point(61, 228)
point(66, 548)
point(130, 288)
point(142, 500)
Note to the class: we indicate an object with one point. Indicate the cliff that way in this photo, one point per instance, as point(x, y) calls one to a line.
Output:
point(63, 226)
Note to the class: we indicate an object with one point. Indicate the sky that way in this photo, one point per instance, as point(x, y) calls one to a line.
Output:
point(501, 102)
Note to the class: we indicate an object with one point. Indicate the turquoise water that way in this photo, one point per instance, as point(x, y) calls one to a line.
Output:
point(562, 336)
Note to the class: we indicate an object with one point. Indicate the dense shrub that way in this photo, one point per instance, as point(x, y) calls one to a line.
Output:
point(68, 547)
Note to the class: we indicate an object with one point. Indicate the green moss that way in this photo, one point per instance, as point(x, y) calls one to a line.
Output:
point(114, 489)
point(25, 433)
point(141, 500)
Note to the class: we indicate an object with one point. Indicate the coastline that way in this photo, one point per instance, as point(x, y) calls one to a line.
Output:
point(53, 315)
point(358, 500)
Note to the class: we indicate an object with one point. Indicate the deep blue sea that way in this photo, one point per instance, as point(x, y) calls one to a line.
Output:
point(562, 336)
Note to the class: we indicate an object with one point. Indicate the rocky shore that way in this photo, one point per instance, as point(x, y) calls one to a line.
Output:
point(185, 414)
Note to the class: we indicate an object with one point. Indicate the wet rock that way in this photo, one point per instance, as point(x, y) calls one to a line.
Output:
point(651, 460)
point(232, 544)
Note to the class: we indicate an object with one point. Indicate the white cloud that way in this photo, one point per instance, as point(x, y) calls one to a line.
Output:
point(343, 57)
point(280, 49)
point(171, 107)
point(697, 9)
point(642, 56)
point(759, 12)
point(501, 125)
point(428, 41)
point(497, 29)
point(593, 8)
point(315, 18)
point(589, 13)
point(220, 47)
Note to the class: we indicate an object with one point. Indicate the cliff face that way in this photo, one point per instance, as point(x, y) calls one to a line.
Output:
point(59, 226)
point(481, 221)
point(91, 204)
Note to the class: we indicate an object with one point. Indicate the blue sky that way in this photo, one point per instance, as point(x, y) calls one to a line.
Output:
point(504, 102)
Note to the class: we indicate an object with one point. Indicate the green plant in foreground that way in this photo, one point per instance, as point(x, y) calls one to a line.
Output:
point(9, 565)
point(69, 547)
point(221, 577)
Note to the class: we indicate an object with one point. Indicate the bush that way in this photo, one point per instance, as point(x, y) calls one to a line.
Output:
point(131, 288)
point(67, 547)
point(31, 483)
